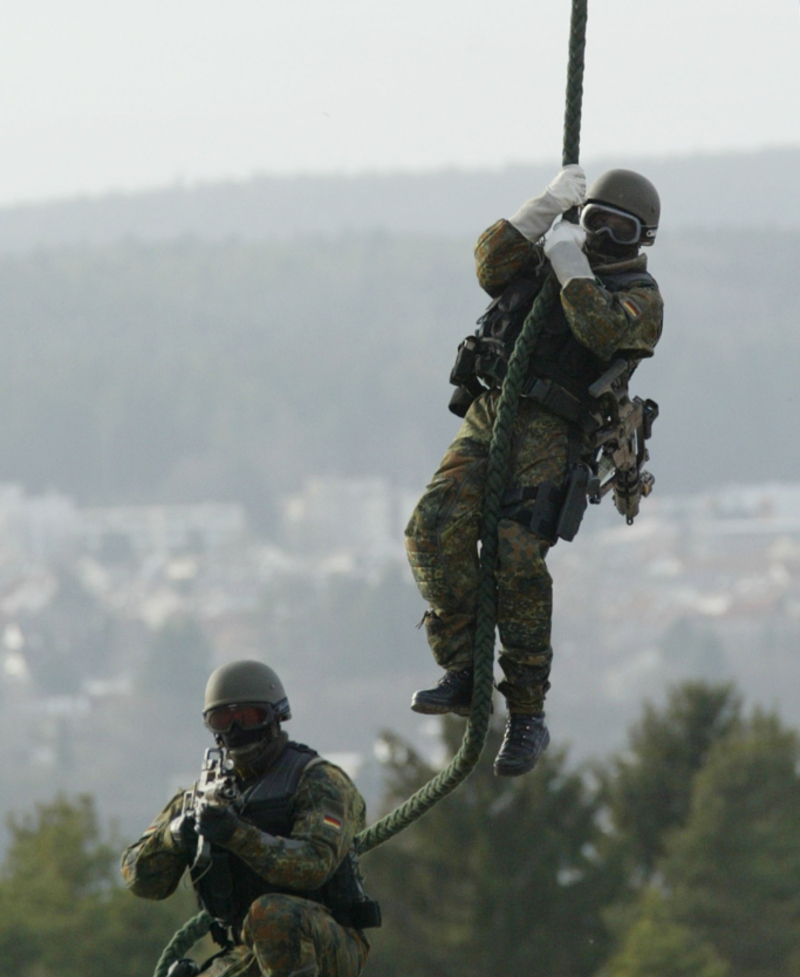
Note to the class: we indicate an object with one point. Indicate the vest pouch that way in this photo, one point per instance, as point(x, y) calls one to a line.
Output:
point(464, 367)
point(345, 897)
point(482, 357)
point(366, 915)
point(461, 401)
point(215, 887)
point(491, 363)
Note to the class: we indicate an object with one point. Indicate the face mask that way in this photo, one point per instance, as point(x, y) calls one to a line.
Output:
point(253, 751)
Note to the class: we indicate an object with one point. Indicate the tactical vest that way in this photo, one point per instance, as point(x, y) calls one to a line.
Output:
point(558, 358)
point(229, 886)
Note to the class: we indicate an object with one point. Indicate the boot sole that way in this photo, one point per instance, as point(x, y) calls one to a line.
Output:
point(428, 709)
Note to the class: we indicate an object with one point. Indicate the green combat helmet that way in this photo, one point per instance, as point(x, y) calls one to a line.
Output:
point(632, 193)
point(247, 682)
point(244, 706)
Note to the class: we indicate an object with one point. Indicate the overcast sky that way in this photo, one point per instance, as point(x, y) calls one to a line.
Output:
point(101, 94)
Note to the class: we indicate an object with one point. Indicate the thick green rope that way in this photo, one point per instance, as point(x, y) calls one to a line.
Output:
point(498, 462)
point(471, 748)
point(182, 942)
point(464, 762)
point(572, 115)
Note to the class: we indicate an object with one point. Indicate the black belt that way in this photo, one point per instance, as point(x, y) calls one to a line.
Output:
point(555, 398)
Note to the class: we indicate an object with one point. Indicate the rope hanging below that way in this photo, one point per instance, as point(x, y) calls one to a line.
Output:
point(465, 760)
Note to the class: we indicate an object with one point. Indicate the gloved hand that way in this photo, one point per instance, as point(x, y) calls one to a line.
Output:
point(565, 233)
point(566, 190)
point(217, 822)
point(182, 834)
point(568, 186)
point(564, 247)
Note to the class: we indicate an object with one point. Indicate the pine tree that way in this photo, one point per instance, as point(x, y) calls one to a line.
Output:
point(63, 912)
point(502, 877)
point(648, 788)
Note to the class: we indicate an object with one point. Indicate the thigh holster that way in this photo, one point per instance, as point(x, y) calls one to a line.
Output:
point(547, 510)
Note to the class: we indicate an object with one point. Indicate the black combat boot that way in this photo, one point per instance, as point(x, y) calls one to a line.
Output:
point(453, 693)
point(525, 740)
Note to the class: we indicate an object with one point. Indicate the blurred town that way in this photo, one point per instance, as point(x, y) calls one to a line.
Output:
point(112, 617)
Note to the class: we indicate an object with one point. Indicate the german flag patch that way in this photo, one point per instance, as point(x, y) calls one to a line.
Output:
point(630, 307)
point(331, 822)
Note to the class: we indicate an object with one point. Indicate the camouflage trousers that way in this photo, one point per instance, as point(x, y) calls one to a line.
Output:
point(286, 936)
point(442, 544)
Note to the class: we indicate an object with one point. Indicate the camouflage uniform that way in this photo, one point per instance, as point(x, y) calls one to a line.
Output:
point(283, 933)
point(442, 535)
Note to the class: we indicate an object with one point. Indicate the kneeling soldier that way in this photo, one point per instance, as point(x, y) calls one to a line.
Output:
point(267, 834)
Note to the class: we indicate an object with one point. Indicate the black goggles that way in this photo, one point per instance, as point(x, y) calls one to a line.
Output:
point(622, 227)
point(246, 716)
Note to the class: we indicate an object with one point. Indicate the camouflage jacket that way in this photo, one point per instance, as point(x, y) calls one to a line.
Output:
point(628, 321)
point(327, 813)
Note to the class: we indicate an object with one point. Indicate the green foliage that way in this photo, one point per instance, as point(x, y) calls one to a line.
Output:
point(656, 946)
point(187, 372)
point(649, 788)
point(190, 371)
point(499, 878)
point(693, 874)
point(734, 869)
point(725, 898)
point(62, 910)
point(550, 875)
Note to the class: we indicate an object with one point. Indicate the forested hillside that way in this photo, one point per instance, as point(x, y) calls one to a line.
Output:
point(190, 371)
point(725, 190)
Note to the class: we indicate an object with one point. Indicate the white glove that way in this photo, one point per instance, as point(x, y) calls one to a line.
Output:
point(564, 247)
point(536, 215)
point(569, 186)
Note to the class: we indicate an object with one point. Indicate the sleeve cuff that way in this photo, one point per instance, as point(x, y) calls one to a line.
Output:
point(247, 836)
point(535, 217)
point(569, 262)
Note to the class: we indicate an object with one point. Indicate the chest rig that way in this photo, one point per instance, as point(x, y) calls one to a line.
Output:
point(561, 368)
point(229, 886)
point(607, 431)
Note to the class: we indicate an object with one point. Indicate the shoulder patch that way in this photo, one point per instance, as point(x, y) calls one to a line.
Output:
point(630, 307)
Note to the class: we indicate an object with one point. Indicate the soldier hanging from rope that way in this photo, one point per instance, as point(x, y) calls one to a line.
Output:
point(609, 318)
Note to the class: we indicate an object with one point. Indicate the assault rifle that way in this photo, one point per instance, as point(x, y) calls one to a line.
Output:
point(217, 785)
point(622, 428)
